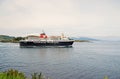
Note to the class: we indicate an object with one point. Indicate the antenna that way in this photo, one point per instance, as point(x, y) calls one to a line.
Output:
point(43, 32)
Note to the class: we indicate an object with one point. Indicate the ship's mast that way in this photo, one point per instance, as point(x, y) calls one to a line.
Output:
point(43, 32)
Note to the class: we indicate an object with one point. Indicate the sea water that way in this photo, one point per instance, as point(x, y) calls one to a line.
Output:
point(85, 60)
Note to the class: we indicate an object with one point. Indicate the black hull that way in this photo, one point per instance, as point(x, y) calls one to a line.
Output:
point(45, 44)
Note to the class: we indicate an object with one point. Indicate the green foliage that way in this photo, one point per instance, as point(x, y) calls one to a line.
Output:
point(15, 74)
point(106, 77)
point(5, 38)
point(17, 39)
point(12, 74)
point(37, 76)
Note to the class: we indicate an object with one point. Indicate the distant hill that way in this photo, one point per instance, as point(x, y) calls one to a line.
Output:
point(84, 39)
point(109, 38)
point(6, 38)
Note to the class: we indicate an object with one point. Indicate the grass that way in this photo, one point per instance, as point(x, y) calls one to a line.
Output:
point(15, 74)
point(106, 77)
point(12, 74)
point(37, 76)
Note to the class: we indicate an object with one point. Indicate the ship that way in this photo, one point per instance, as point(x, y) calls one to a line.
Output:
point(46, 41)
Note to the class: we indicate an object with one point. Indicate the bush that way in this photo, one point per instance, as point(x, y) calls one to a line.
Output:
point(12, 74)
point(37, 76)
point(15, 74)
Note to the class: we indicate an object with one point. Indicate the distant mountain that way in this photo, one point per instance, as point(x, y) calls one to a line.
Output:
point(84, 39)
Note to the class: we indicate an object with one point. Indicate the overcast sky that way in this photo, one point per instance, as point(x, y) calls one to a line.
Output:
point(72, 17)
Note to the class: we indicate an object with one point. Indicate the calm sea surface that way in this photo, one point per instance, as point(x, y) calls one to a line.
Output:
point(92, 60)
